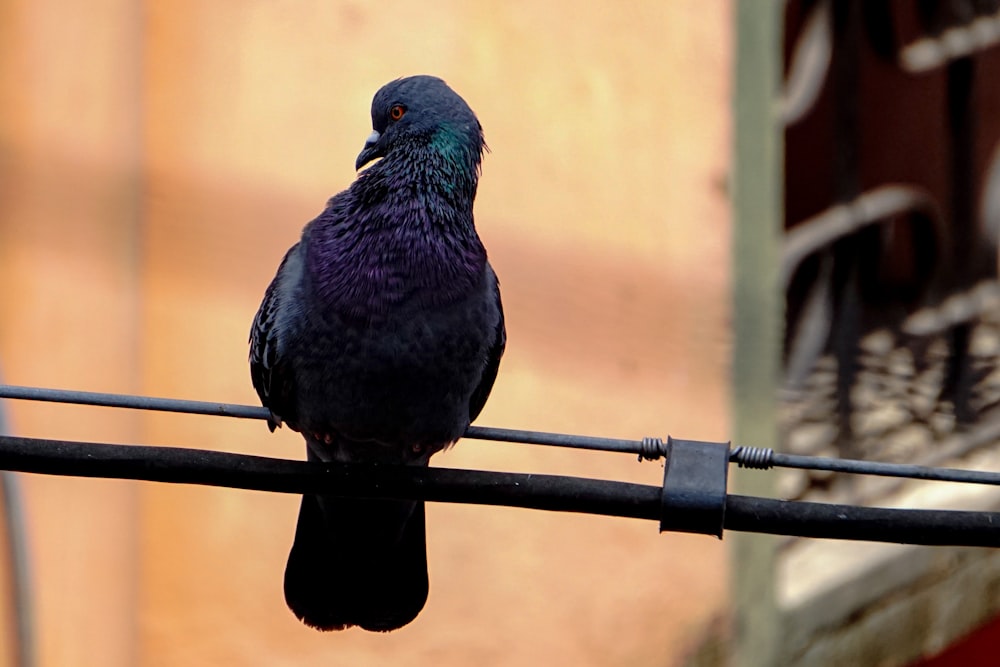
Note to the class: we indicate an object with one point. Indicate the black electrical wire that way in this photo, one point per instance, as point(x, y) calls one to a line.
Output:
point(868, 524)
point(545, 492)
point(212, 468)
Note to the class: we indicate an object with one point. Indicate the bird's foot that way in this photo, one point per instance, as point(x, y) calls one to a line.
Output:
point(325, 438)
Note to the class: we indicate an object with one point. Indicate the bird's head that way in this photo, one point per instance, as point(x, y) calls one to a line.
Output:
point(422, 110)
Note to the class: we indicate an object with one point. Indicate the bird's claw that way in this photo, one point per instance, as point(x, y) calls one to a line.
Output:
point(273, 421)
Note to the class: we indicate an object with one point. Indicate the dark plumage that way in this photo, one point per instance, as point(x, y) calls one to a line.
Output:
point(379, 340)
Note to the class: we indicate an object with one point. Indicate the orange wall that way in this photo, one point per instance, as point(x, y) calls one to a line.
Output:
point(70, 305)
point(155, 163)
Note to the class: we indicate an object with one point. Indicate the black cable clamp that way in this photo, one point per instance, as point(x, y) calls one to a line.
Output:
point(694, 487)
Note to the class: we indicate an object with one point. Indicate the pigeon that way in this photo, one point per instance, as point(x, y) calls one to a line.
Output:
point(379, 340)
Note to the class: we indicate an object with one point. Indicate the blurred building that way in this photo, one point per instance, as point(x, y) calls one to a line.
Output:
point(891, 114)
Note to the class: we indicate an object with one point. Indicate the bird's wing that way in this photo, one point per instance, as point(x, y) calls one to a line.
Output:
point(268, 366)
point(482, 391)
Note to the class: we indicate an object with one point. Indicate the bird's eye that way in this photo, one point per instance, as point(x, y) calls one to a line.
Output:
point(396, 111)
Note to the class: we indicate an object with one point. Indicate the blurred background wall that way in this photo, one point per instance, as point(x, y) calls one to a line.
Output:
point(156, 161)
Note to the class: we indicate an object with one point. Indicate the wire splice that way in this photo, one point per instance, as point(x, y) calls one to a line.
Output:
point(652, 449)
point(694, 487)
point(759, 458)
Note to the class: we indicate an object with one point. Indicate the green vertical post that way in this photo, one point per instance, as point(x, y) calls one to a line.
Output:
point(757, 312)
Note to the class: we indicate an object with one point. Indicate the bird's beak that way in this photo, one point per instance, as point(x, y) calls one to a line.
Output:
point(371, 150)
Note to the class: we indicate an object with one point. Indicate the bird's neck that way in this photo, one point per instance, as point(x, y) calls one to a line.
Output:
point(402, 241)
point(444, 165)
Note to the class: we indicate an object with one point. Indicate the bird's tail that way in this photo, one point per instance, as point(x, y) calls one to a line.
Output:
point(357, 562)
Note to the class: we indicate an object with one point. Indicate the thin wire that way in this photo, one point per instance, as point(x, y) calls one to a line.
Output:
point(133, 402)
point(256, 412)
point(888, 469)
point(560, 440)
point(648, 448)
point(764, 458)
